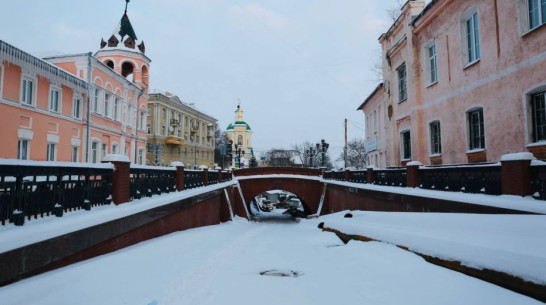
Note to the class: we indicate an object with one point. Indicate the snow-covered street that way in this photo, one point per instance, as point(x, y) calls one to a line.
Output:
point(221, 264)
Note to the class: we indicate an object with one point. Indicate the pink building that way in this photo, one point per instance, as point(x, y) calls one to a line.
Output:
point(78, 107)
point(464, 81)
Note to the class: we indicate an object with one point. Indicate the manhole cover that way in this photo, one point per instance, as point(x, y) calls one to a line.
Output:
point(282, 273)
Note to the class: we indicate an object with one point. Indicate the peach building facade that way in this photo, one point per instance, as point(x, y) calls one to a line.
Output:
point(75, 108)
point(464, 81)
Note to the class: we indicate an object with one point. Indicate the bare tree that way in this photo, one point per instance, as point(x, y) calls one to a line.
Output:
point(395, 11)
point(356, 154)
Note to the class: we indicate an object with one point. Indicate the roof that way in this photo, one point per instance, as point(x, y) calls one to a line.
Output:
point(370, 96)
point(125, 28)
point(425, 10)
point(238, 123)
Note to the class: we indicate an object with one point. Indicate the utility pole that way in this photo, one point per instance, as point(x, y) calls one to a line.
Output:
point(345, 148)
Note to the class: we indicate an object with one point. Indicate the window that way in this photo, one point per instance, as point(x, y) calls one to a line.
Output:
point(149, 128)
point(54, 100)
point(142, 120)
point(435, 138)
point(104, 150)
point(240, 140)
point(476, 134)
point(22, 150)
point(406, 144)
point(75, 150)
point(27, 91)
point(76, 108)
point(106, 104)
point(140, 159)
point(537, 13)
point(402, 86)
point(51, 152)
point(114, 148)
point(431, 62)
point(374, 122)
point(116, 109)
point(94, 152)
point(471, 36)
point(538, 105)
point(96, 101)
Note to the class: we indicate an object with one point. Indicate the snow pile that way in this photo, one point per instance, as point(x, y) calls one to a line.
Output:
point(116, 158)
point(513, 244)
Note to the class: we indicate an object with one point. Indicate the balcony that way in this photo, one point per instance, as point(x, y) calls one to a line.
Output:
point(172, 140)
point(175, 122)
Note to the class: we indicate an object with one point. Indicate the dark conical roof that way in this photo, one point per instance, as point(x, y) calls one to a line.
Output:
point(125, 28)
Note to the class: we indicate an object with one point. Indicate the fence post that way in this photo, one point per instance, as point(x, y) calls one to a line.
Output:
point(19, 212)
point(121, 183)
point(412, 173)
point(205, 176)
point(369, 174)
point(516, 173)
point(180, 175)
point(220, 175)
point(347, 174)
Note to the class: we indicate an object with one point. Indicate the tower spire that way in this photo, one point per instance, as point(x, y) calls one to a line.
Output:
point(126, 4)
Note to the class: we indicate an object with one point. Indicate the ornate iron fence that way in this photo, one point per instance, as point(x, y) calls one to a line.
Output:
point(32, 191)
point(481, 178)
point(390, 177)
point(146, 182)
point(358, 176)
point(225, 176)
point(538, 181)
point(193, 179)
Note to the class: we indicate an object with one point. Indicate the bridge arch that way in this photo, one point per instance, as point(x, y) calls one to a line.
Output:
point(306, 185)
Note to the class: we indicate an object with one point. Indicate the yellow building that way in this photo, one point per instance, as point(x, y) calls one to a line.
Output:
point(241, 135)
point(177, 131)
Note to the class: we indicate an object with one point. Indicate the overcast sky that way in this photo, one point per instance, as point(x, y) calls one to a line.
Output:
point(299, 68)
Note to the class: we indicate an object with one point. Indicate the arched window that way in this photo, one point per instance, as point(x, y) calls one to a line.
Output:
point(110, 64)
point(240, 140)
point(127, 69)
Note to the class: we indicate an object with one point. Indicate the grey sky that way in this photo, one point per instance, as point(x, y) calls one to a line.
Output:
point(299, 67)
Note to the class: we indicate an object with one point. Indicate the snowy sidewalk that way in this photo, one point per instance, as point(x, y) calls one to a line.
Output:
point(513, 244)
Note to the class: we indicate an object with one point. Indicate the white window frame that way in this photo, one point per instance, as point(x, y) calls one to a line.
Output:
point(77, 115)
point(431, 62)
point(49, 152)
point(20, 150)
point(96, 101)
point(59, 106)
point(115, 148)
point(117, 109)
point(75, 154)
point(106, 104)
point(470, 16)
point(469, 130)
point(103, 150)
point(95, 151)
point(23, 97)
point(432, 153)
point(402, 83)
point(142, 120)
point(140, 158)
point(402, 147)
point(540, 11)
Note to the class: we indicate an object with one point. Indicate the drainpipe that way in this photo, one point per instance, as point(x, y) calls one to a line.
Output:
point(136, 123)
point(89, 82)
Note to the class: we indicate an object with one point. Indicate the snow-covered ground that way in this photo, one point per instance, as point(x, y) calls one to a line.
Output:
point(221, 264)
point(513, 244)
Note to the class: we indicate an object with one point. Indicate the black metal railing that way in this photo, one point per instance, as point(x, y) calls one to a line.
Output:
point(32, 191)
point(390, 177)
point(538, 181)
point(193, 179)
point(213, 177)
point(146, 182)
point(225, 176)
point(485, 179)
point(358, 176)
point(339, 176)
